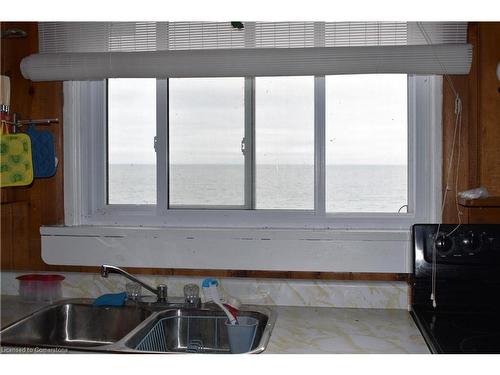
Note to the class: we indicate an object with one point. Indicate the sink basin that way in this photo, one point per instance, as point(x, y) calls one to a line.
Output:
point(79, 326)
point(195, 331)
point(74, 325)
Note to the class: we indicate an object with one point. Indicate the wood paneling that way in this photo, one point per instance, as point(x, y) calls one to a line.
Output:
point(20, 234)
point(489, 107)
point(480, 135)
point(42, 201)
point(463, 137)
point(15, 244)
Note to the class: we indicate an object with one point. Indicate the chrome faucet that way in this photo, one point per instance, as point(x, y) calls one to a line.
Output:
point(160, 291)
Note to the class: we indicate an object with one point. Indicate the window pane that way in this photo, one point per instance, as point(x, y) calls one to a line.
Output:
point(366, 143)
point(284, 128)
point(131, 131)
point(206, 127)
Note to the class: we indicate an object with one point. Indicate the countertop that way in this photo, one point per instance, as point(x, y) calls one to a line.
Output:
point(310, 330)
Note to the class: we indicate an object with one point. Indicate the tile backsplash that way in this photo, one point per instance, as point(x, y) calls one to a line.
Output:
point(278, 292)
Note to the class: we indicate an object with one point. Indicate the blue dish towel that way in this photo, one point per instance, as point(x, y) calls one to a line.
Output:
point(43, 151)
point(116, 299)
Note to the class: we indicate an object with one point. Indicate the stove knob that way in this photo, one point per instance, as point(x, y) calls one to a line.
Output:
point(470, 242)
point(443, 244)
point(489, 240)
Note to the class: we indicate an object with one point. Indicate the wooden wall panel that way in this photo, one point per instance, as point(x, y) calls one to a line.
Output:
point(15, 237)
point(44, 197)
point(466, 86)
point(463, 139)
point(489, 107)
point(480, 138)
point(6, 225)
point(20, 233)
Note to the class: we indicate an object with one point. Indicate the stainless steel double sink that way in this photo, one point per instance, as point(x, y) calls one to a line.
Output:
point(78, 325)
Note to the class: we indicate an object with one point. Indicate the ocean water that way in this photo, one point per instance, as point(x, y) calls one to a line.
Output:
point(349, 188)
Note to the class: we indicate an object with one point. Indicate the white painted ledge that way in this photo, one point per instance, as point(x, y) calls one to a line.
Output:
point(320, 250)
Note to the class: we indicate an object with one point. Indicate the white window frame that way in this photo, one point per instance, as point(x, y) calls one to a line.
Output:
point(85, 120)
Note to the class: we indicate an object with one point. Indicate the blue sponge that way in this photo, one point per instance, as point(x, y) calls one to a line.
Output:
point(116, 299)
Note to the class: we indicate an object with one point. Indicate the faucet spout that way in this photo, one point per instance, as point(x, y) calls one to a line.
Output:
point(160, 291)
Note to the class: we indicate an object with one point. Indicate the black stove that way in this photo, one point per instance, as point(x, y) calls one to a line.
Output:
point(466, 318)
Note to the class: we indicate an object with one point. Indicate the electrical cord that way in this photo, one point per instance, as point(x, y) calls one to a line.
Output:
point(457, 129)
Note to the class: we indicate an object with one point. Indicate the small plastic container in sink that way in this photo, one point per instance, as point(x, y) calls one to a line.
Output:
point(241, 335)
point(40, 288)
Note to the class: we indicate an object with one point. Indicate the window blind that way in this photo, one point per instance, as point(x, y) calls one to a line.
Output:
point(98, 50)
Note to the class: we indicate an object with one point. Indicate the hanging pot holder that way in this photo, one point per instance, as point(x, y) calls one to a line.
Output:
point(16, 163)
point(43, 150)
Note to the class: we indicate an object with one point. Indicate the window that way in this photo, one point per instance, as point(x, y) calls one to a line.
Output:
point(212, 163)
point(131, 130)
point(228, 150)
point(206, 126)
point(284, 143)
point(366, 143)
point(300, 151)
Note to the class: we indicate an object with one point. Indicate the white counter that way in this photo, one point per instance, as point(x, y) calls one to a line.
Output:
point(327, 330)
point(312, 330)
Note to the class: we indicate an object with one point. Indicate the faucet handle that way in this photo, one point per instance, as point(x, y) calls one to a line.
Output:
point(162, 292)
point(191, 293)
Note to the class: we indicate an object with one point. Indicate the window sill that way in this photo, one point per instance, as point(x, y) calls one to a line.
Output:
point(147, 216)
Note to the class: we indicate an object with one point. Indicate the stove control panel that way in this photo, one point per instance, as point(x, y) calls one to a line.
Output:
point(464, 244)
point(461, 263)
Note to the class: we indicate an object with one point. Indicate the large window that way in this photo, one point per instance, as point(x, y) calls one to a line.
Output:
point(236, 143)
point(350, 151)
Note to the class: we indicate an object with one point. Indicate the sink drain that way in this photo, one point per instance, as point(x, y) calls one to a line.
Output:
point(195, 346)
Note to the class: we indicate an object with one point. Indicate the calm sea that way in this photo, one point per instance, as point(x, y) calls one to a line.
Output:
point(350, 188)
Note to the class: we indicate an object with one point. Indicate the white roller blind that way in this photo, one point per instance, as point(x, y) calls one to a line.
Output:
point(97, 50)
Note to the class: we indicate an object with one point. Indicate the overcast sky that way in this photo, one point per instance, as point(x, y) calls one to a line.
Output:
point(366, 120)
